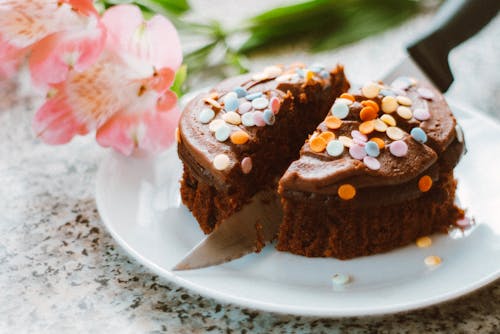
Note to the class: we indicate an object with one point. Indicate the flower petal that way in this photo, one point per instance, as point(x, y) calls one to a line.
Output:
point(167, 101)
point(116, 133)
point(10, 58)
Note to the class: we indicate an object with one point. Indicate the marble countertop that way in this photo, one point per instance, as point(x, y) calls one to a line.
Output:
point(61, 272)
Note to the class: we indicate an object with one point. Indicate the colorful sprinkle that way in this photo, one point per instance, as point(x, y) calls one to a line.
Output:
point(372, 149)
point(398, 148)
point(395, 133)
point(367, 114)
point(333, 122)
point(464, 222)
point(372, 104)
point(355, 134)
point(421, 114)
point(388, 119)
point(370, 90)
point(340, 279)
point(419, 135)
point(347, 96)
point(231, 102)
point(244, 107)
point(340, 110)
point(357, 152)
point(344, 101)
point(258, 118)
point(247, 119)
point(269, 117)
point(346, 141)
point(284, 78)
point(253, 96)
point(273, 71)
point(425, 183)
point(275, 105)
point(387, 92)
point(324, 74)
point(402, 83)
point(232, 118)
point(260, 103)
point(371, 163)
point(346, 192)
point(424, 242)
point(213, 103)
point(240, 92)
point(367, 127)
point(317, 67)
point(222, 133)
point(309, 75)
point(425, 93)
point(206, 115)
point(404, 112)
point(404, 100)
point(239, 137)
point(459, 133)
point(221, 161)
point(389, 104)
point(259, 76)
point(215, 124)
point(379, 125)
point(327, 135)
point(335, 148)
point(432, 261)
point(317, 144)
point(246, 165)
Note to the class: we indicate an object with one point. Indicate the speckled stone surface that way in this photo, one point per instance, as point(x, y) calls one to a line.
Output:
point(61, 272)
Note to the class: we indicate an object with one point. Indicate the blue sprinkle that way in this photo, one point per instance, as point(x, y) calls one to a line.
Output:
point(206, 115)
point(301, 72)
point(372, 149)
point(222, 133)
point(240, 92)
point(260, 103)
point(335, 148)
point(419, 135)
point(231, 102)
point(386, 92)
point(269, 117)
point(340, 110)
point(316, 67)
point(247, 119)
point(253, 96)
point(324, 74)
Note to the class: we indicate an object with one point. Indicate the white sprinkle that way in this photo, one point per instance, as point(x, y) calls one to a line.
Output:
point(215, 124)
point(370, 90)
point(232, 118)
point(221, 161)
point(340, 279)
point(206, 115)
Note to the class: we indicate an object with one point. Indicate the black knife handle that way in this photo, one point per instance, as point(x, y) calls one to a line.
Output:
point(455, 22)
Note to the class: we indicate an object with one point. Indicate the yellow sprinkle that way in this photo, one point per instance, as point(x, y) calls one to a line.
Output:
point(424, 242)
point(432, 260)
point(346, 141)
point(380, 126)
point(395, 133)
point(232, 118)
point(213, 103)
point(388, 119)
point(370, 90)
point(309, 75)
point(405, 112)
point(403, 100)
point(389, 104)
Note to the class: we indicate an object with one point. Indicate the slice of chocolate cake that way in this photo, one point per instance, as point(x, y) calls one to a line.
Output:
point(241, 136)
point(376, 174)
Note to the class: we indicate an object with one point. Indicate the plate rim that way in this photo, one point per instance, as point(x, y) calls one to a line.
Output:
point(280, 308)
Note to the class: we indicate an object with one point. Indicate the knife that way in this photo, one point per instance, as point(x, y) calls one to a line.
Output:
point(258, 221)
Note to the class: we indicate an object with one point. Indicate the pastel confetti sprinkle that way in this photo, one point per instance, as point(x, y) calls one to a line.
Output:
point(372, 149)
point(260, 103)
point(246, 165)
point(419, 135)
point(213, 103)
point(464, 222)
point(340, 279)
point(247, 119)
point(347, 96)
point(387, 92)
point(425, 93)
point(389, 104)
point(379, 142)
point(460, 133)
point(259, 76)
point(324, 74)
point(355, 134)
point(222, 133)
point(215, 124)
point(206, 115)
point(345, 101)
point(398, 148)
point(244, 107)
point(388, 119)
point(371, 163)
point(357, 152)
point(284, 78)
point(346, 141)
point(239, 137)
point(258, 118)
point(370, 90)
point(317, 144)
point(316, 67)
point(402, 83)
point(404, 100)
point(253, 96)
point(340, 110)
point(367, 127)
point(309, 75)
point(333, 122)
point(240, 92)
point(273, 71)
point(232, 118)
point(275, 105)
point(327, 135)
point(231, 102)
point(372, 104)
point(221, 161)
point(346, 192)
point(367, 114)
point(425, 183)
point(335, 148)
point(432, 261)
point(421, 114)
point(404, 112)
point(379, 125)
point(424, 242)
point(269, 117)
point(395, 133)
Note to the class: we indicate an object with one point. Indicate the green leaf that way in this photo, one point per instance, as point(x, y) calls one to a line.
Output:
point(180, 79)
point(173, 6)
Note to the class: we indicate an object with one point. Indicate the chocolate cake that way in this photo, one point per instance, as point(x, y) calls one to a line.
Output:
point(240, 137)
point(376, 174)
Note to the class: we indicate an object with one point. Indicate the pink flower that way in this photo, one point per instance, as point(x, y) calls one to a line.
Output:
point(125, 94)
point(58, 34)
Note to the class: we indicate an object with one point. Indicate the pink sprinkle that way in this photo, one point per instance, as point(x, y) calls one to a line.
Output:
point(371, 163)
point(275, 105)
point(421, 114)
point(258, 118)
point(359, 142)
point(464, 223)
point(357, 152)
point(398, 148)
point(426, 93)
point(244, 107)
point(246, 165)
point(355, 134)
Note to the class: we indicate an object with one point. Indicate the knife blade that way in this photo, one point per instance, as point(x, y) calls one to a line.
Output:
point(244, 232)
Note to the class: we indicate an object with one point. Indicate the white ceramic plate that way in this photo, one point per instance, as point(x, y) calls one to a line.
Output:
point(140, 205)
